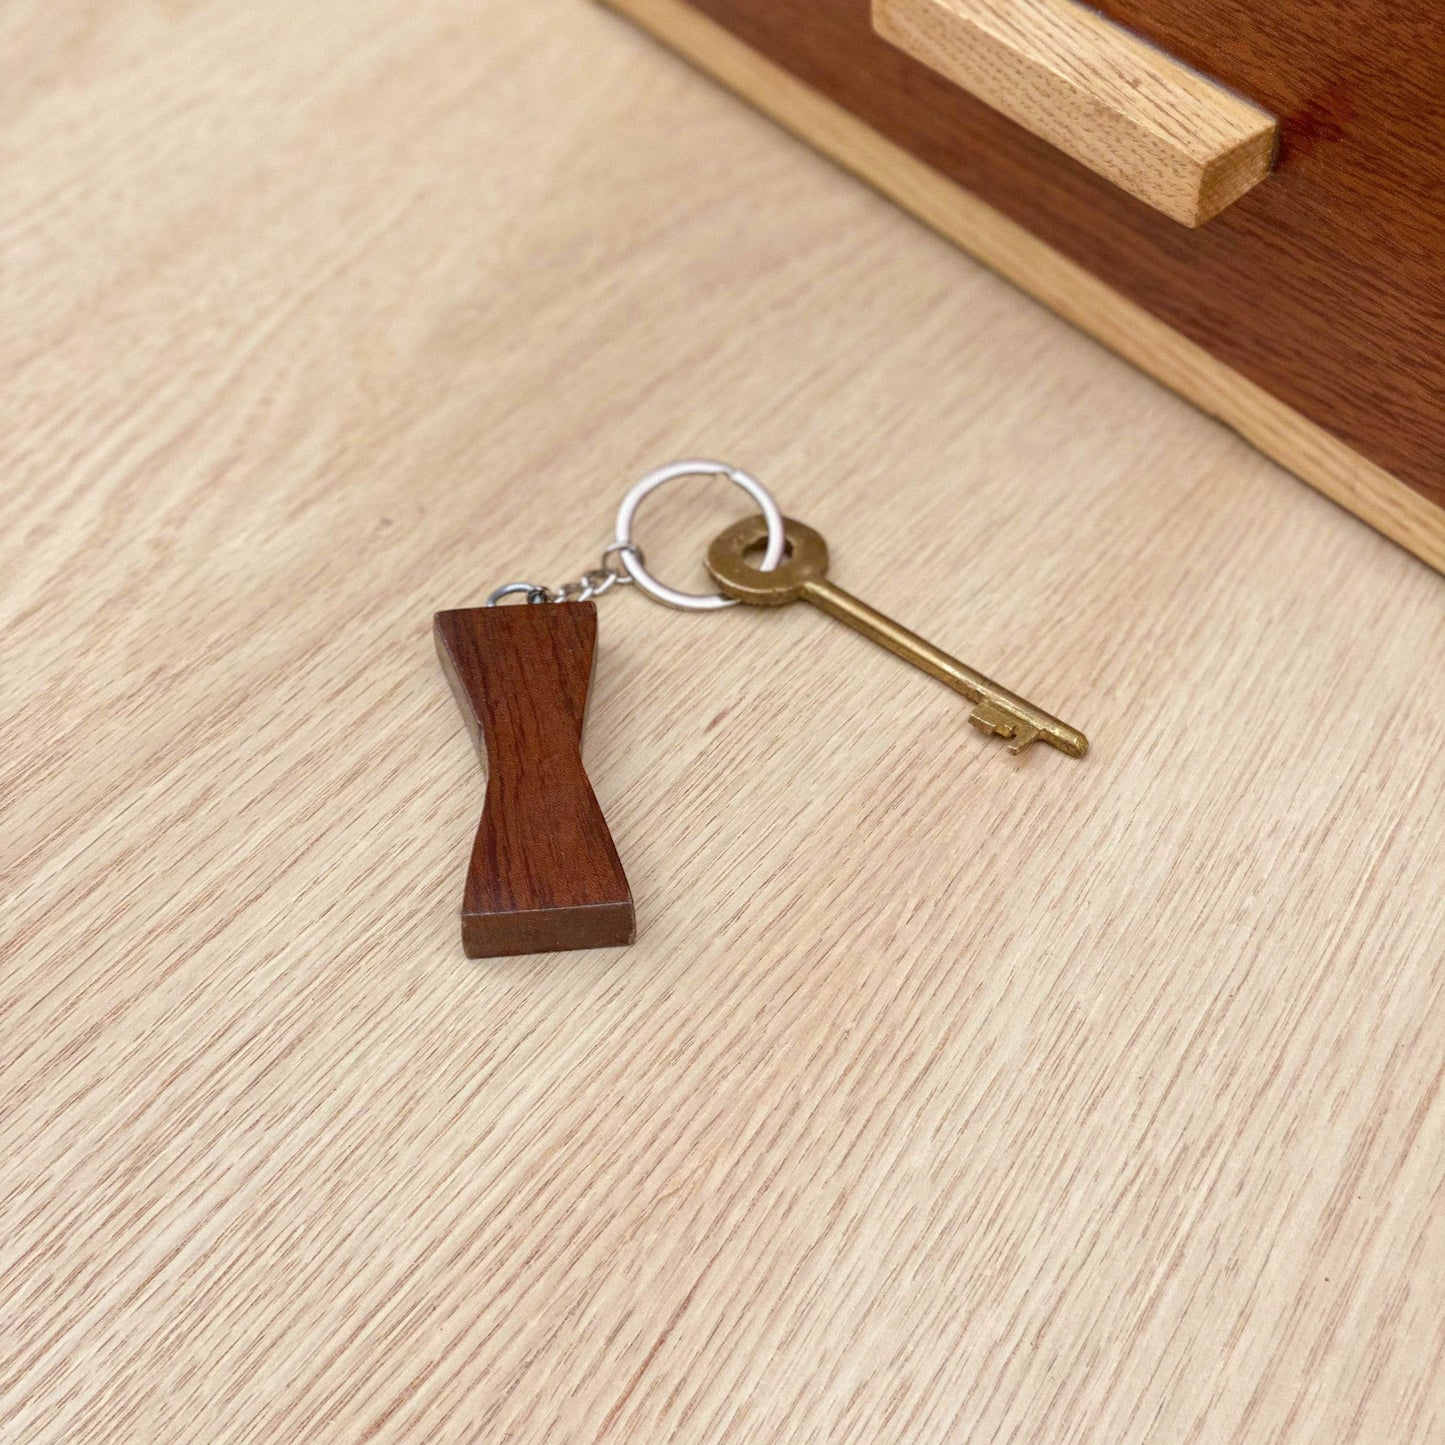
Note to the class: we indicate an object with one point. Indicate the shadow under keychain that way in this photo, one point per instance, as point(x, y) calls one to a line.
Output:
point(544, 873)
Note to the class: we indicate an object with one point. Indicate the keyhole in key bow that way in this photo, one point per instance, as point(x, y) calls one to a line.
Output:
point(754, 552)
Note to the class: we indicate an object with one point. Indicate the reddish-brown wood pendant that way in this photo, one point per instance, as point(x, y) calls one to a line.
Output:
point(545, 874)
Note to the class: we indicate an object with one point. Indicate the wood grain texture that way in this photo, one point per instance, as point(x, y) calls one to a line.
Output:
point(544, 874)
point(1171, 137)
point(943, 1098)
point(1401, 513)
point(1325, 287)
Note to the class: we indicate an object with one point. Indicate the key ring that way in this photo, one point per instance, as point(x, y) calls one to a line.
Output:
point(631, 557)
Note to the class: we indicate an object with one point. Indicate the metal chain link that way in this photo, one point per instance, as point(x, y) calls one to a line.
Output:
point(592, 583)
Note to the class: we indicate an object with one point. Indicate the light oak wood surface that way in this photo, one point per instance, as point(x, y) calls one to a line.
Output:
point(944, 1097)
point(1175, 139)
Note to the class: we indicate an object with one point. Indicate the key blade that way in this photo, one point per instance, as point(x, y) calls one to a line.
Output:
point(1019, 730)
point(988, 717)
point(1022, 737)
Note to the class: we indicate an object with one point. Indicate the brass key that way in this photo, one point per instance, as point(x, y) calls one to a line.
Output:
point(803, 575)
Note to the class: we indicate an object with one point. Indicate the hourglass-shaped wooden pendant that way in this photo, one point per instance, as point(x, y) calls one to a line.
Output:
point(544, 874)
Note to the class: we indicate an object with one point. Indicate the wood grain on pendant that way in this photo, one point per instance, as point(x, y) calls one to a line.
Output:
point(544, 874)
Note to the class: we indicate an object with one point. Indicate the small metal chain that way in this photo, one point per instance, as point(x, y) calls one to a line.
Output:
point(592, 583)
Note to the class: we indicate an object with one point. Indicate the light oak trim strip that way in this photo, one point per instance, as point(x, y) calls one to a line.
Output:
point(1171, 137)
point(1322, 460)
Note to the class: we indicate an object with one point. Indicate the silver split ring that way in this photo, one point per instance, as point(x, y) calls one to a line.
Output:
point(631, 557)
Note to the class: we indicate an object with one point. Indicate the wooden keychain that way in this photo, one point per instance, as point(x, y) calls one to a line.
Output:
point(544, 874)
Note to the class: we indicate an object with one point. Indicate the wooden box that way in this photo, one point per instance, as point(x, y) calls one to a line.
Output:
point(1290, 281)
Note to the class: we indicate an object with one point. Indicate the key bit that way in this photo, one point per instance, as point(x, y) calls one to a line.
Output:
point(802, 576)
point(987, 717)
